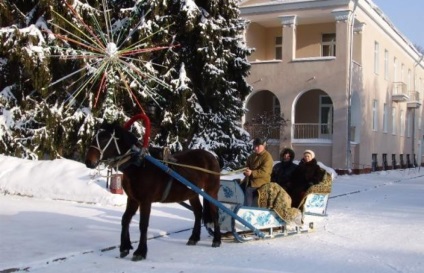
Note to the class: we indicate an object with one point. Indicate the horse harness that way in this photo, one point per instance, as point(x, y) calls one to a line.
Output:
point(135, 155)
point(131, 157)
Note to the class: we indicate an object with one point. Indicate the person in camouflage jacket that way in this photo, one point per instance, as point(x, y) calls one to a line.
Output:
point(258, 170)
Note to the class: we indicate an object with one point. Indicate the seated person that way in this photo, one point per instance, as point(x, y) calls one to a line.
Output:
point(307, 173)
point(258, 171)
point(283, 171)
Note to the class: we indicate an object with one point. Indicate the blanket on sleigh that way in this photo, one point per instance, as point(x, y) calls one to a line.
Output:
point(273, 196)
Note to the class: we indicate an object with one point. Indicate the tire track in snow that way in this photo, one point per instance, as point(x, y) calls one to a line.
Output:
point(374, 187)
point(70, 256)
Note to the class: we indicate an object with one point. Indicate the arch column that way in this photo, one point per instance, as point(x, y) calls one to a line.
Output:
point(341, 147)
point(289, 37)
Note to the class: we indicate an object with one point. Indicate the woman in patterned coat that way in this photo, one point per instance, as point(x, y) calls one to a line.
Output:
point(307, 173)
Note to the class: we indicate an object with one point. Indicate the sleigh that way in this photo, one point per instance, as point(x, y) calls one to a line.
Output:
point(271, 222)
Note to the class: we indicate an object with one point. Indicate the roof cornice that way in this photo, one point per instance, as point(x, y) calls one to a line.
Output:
point(382, 20)
point(281, 5)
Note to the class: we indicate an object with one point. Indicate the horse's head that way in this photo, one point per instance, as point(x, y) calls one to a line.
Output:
point(110, 141)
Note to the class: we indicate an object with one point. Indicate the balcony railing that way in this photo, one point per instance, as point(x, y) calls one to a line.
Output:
point(300, 131)
point(263, 131)
point(313, 131)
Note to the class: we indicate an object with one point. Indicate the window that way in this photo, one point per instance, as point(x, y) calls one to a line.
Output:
point(374, 115)
point(376, 57)
point(394, 161)
point(328, 44)
point(393, 121)
point(409, 124)
point(395, 70)
point(402, 76)
point(409, 81)
point(276, 106)
point(386, 64)
point(279, 48)
point(385, 118)
point(374, 163)
point(326, 115)
point(384, 158)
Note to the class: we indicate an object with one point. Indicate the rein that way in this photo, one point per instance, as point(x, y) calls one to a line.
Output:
point(119, 160)
point(124, 158)
point(202, 169)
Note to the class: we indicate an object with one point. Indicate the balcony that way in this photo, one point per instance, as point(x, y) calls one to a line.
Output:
point(399, 92)
point(414, 100)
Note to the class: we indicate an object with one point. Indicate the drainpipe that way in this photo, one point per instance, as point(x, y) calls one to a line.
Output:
point(349, 99)
point(413, 111)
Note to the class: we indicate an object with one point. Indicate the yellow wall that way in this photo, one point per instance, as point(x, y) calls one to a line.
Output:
point(309, 39)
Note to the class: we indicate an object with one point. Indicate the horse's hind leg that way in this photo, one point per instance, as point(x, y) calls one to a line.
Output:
point(130, 210)
point(197, 211)
point(211, 216)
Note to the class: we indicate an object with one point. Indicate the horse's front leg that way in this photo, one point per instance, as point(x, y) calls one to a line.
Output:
point(141, 252)
point(197, 211)
point(130, 210)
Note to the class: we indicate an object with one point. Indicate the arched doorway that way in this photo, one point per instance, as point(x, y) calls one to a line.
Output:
point(313, 116)
point(263, 117)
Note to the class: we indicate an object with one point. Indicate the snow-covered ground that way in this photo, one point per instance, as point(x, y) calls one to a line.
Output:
point(57, 216)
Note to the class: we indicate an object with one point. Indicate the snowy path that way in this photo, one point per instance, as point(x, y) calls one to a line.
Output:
point(374, 225)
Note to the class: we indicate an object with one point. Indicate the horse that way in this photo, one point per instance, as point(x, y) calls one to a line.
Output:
point(144, 183)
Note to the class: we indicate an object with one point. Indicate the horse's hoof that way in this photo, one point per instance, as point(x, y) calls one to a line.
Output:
point(124, 253)
point(137, 258)
point(216, 244)
point(191, 243)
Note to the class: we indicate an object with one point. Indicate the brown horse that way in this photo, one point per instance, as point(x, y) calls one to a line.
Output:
point(144, 183)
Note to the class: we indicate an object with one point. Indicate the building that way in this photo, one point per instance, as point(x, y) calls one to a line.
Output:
point(349, 83)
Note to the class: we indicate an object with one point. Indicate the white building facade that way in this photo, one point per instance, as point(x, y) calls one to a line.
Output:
point(349, 83)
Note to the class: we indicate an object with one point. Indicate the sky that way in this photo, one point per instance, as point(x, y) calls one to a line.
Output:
point(407, 16)
point(58, 216)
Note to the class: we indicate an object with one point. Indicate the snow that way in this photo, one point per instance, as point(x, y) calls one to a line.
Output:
point(57, 216)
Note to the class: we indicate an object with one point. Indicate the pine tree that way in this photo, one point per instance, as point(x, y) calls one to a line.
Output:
point(196, 81)
point(210, 80)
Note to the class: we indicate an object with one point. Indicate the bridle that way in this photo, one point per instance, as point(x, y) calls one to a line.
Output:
point(111, 139)
point(132, 155)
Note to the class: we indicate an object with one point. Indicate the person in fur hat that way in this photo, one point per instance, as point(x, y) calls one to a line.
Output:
point(307, 173)
point(283, 171)
point(258, 171)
